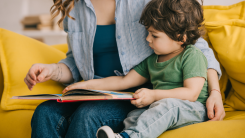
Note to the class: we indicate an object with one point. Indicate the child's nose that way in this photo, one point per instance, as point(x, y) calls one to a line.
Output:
point(148, 38)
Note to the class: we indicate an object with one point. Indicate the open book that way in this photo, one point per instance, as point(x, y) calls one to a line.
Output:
point(80, 95)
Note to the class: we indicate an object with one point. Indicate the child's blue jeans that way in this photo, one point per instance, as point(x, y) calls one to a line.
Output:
point(162, 115)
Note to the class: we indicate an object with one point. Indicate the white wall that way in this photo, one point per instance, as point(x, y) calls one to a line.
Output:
point(220, 2)
point(12, 11)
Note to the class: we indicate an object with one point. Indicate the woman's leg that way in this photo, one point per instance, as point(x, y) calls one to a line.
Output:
point(91, 115)
point(50, 119)
point(163, 115)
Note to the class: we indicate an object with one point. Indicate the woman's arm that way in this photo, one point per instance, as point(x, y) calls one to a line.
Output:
point(214, 102)
point(209, 54)
point(42, 72)
point(132, 79)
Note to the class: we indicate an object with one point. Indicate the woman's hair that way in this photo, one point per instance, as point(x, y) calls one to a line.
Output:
point(176, 18)
point(64, 8)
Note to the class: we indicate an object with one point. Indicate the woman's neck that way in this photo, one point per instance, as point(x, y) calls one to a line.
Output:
point(105, 11)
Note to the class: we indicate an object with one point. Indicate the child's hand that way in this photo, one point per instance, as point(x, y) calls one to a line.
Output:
point(143, 97)
point(78, 85)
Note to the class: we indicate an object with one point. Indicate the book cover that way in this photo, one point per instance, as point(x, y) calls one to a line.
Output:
point(80, 95)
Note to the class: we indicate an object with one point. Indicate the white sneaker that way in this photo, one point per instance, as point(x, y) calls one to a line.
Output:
point(107, 132)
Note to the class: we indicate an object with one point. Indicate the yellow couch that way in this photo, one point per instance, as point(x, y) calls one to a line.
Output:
point(225, 33)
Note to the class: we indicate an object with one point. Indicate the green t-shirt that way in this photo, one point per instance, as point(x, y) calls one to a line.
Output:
point(171, 74)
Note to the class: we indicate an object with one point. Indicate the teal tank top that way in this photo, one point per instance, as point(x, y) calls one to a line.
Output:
point(105, 52)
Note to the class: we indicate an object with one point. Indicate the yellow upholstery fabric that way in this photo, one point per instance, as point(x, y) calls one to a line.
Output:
point(61, 47)
point(227, 38)
point(17, 54)
point(1, 81)
point(224, 13)
point(215, 129)
point(213, 13)
point(221, 41)
point(15, 124)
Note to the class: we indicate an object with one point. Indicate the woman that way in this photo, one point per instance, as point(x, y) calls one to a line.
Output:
point(104, 39)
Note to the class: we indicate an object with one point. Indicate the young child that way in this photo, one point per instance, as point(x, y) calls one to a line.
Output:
point(177, 70)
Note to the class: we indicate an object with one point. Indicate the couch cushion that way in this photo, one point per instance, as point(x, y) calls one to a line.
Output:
point(61, 47)
point(227, 38)
point(213, 13)
point(17, 54)
point(15, 124)
point(224, 13)
point(214, 129)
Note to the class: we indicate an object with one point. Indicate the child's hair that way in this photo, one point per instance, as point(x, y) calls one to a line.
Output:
point(64, 8)
point(175, 18)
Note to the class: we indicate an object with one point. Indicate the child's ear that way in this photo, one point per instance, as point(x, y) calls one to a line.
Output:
point(183, 40)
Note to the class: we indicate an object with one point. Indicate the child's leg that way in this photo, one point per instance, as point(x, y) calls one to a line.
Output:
point(163, 115)
point(132, 117)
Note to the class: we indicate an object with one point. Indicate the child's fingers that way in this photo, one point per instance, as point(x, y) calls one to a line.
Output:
point(77, 85)
point(137, 102)
point(138, 91)
point(70, 87)
point(138, 95)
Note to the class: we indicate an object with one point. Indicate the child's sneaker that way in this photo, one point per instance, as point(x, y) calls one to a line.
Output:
point(107, 132)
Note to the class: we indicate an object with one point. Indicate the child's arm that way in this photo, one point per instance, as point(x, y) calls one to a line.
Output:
point(132, 79)
point(190, 91)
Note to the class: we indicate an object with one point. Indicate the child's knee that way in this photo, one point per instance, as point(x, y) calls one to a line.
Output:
point(136, 112)
point(167, 102)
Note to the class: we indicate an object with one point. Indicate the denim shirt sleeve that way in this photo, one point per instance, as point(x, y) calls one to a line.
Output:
point(208, 52)
point(69, 60)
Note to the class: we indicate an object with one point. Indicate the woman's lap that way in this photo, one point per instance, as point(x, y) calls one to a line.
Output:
point(81, 119)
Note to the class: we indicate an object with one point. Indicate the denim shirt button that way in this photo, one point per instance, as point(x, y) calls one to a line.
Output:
point(122, 53)
point(119, 37)
point(115, 18)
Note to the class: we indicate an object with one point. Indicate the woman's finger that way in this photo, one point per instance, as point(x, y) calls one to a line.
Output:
point(210, 110)
point(30, 80)
point(28, 84)
point(217, 115)
point(42, 75)
point(34, 71)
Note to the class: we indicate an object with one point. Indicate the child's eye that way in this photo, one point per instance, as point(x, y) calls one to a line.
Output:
point(154, 36)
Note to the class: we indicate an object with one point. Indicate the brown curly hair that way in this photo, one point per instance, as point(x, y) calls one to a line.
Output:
point(176, 18)
point(64, 8)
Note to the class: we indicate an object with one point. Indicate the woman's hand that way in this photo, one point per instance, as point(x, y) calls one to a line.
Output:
point(39, 73)
point(78, 85)
point(144, 97)
point(215, 107)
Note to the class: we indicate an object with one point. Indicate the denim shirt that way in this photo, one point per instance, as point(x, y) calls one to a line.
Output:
point(130, 36)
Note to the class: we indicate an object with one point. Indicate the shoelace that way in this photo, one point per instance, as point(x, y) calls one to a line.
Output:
point(118, 136)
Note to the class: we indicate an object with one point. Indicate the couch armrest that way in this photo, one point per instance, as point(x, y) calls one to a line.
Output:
point(1, 82)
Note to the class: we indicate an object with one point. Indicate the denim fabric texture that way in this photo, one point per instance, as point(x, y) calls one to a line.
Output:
point(162, 115)
point(130, 36)
point(78, 120)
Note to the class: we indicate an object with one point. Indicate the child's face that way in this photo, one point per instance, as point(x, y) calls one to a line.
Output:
point(161, 43)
